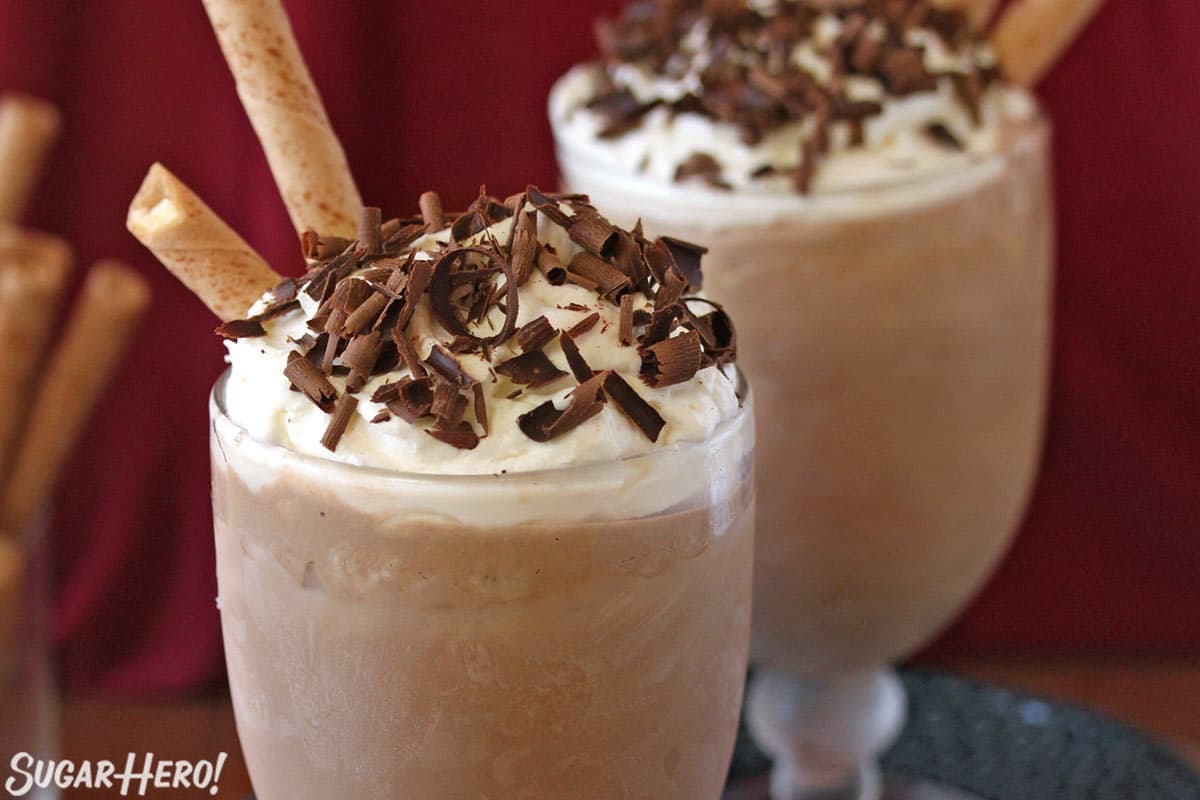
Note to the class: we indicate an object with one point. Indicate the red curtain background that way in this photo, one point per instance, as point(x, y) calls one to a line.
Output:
point(449, 95)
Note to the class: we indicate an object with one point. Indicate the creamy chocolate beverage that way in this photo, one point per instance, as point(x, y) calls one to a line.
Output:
point(483, 501)
point(875, 202)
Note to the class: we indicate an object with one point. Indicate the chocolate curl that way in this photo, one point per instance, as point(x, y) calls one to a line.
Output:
point(33, 272)
point(546, 422)
point(111, 303)
point(1032, 34)
point(286, 111)
point(28, 129)
point(343, 413)
point(431, 211)
point(196, 245)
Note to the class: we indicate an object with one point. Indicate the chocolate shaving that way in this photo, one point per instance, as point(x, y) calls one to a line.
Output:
point(431, 211)
point(625, 326)
point(409, 398)
point(703, 166)
point(553, 269)
point(546, 422)
point(943, 136)
point(584, 325)
point(660, 325)
point(632, 405)
point(548, 207)
point(481, 414)
point(448, 405)
point(461, 435)
point(365, 315)
point(524, 249)
point(579, 367)
point(284, 291)
point(593, 233)
point(671, 361)
point(687, 257)
point(408, 353)
point(370, 231)
point(534, 334)
point(610, 281)
point(310, 381)
point(532, 369)
point(716, 330)
point(360, 356)
point(343, 413)
point(315, 247)
point(241, 329)
point(443, 362)
point(418, 281)
point(904, 73)
point(442, 300)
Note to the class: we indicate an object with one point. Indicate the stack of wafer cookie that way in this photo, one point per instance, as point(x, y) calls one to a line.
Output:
point(52, 368)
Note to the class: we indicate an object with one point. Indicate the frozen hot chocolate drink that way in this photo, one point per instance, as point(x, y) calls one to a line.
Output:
point(873, 193)
point(872, 175)
point(483, 504)
point(482, 482)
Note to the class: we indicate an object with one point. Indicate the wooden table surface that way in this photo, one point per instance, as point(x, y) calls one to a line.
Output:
point(1160, 695)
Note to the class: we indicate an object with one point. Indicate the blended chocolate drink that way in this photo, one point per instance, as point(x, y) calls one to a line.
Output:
point(483, 495)
point(874, 198)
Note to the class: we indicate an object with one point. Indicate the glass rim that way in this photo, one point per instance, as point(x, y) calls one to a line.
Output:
point(725, 432)
point(1037, 126)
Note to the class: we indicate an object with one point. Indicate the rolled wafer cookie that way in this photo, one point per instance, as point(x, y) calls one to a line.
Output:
point(197, 246)
point(12, 576)
point(110, 304)
point(28, 129)
point(1032, 34)
point(33, 272)
point(286, 111)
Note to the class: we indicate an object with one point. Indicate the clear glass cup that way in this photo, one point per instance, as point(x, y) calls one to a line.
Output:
point(897, 336)
point(576, 633)
point(28, 696)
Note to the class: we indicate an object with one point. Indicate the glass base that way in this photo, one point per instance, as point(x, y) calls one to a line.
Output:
point(893, 789)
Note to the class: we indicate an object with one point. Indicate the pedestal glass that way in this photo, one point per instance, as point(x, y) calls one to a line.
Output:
point(897, 336)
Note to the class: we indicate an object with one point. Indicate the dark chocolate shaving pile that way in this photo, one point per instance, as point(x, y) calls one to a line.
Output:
point(368, 290)
point(751, 79)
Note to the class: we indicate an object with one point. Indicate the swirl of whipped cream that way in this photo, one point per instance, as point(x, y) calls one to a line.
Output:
point(259, 397)
point(915, 102)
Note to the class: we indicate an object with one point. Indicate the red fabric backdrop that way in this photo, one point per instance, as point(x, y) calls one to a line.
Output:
point(448, 95)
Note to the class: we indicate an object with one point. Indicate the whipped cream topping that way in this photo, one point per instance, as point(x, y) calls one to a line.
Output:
point(260, 398)
point(943, 113)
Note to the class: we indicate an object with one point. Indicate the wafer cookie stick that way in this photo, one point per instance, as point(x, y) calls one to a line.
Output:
point(33, 272)
point(1032, 34)
point(278, 94)
point(197, 246)
point(12, 578)
point(28, 128)
point(110, 304)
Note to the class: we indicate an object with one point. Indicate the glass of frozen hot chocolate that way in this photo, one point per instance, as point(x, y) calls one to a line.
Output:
point(873, 195)
point(482, 482)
